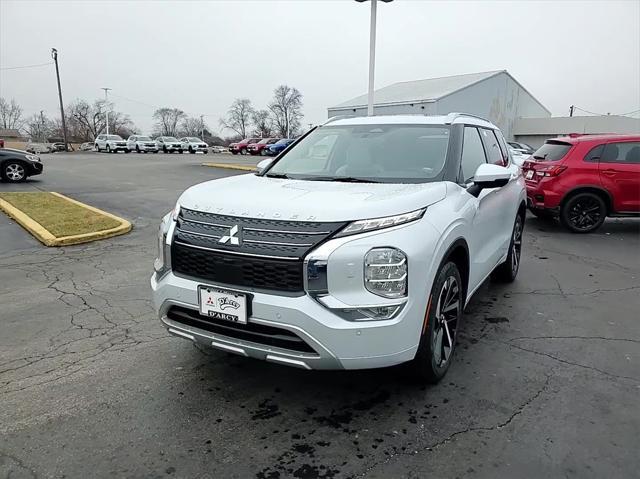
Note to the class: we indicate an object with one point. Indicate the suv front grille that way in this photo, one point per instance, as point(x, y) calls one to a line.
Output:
point(269, 254)
point(256, 333)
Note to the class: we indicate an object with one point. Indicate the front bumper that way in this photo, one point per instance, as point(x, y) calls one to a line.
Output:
point(34, 168)
point(337, 342)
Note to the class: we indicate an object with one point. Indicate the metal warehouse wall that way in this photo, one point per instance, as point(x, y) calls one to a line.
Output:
point(499, 99)
point(424, 108)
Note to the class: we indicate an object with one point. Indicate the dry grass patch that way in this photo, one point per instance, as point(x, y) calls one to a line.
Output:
point(57, 215)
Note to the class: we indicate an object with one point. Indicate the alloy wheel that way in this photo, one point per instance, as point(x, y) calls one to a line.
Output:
point(14, 172)
point(585, 213)
point(516, 245)
point(448, 310)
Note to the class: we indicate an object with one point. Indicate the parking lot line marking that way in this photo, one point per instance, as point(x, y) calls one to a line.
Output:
point(230, 166)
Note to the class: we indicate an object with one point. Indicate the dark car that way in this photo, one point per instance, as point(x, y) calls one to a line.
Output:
point(17, 165)
point(259, 148)
point(273, 150)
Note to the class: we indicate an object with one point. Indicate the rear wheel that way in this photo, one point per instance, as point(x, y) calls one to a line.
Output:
point(583, 213)
point(137, 149)
point(507, 271)
point(14, 172)
point(443, 316)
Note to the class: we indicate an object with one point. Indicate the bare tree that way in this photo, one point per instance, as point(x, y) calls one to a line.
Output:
point(193, 126)
point(38, 127)
point(238, 117)
point(167, 121)
point(10, 114)
point(263, 124)
point(86, 121)
point(286, 110)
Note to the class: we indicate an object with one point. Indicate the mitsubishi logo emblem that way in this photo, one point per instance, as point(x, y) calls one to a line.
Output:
point(234, 237)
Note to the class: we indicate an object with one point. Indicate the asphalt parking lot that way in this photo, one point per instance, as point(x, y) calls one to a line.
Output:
point(545, 382)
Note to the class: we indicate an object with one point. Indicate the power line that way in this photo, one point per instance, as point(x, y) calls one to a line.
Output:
point(606, 114)
point(27, 66)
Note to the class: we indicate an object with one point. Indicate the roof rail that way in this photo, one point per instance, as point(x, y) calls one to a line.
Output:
point(451, 117)
point(336, 118)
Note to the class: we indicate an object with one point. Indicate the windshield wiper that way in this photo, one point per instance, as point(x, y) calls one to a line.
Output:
point(343, 179)
point(277, 175)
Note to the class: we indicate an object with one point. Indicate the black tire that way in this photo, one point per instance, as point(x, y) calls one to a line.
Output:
point(542, 214)
point(14, 171)
point(137, 149)
point(243, 151)
point(206, 152)
point(191, 150)
point(263, 152)
point(164, 149)
point(155, 152)
point(444, 315)
point(583, 212)
point(507, 271)
point(127, 150)
point(97, 147)
point(234, 152)
point(108, 149)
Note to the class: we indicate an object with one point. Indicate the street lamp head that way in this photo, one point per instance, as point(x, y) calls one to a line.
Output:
point(385, 1)
point(54, 53)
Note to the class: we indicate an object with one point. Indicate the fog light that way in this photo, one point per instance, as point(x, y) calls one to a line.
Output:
point(385, 272)
point(380, 312)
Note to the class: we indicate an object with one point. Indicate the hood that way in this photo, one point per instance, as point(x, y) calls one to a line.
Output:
point(274, 198)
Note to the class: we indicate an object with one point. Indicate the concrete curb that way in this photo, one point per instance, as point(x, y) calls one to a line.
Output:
point(229, 166)
point(46, 238)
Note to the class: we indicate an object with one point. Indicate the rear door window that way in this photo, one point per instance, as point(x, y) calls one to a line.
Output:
point(623, 152)
point(552, 150)
point(594, 154)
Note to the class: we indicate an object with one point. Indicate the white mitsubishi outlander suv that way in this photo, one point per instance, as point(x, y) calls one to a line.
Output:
point(357, 247)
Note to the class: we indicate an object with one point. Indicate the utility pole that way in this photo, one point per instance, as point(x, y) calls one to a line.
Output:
point(106, 106)
point(41, 135)
point(571, 110)
point(54, 55)
point(202, 127)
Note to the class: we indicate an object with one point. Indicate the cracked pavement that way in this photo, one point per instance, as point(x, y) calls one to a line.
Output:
point(545, 382)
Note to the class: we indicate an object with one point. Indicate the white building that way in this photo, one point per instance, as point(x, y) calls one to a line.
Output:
point(494, 95)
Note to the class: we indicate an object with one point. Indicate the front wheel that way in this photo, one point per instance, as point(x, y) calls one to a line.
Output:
point(108, 149)
point(507, 271)
point(243, 151)
point(443, 317)
point(583, 213)
point(191, 150)
point(14, 172)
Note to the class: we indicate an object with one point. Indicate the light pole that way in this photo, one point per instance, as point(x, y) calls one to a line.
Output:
point(106, 106)
point(372, 52)
point(54, 55)
point(202, 127)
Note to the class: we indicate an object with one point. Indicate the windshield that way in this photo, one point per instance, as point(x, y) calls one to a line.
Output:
point(284, 142)
point(552, 151)
point(113, 137)
point(144, 138)
point(193, 138)
point(263, 142)
point(170, 138)
point(376, 153)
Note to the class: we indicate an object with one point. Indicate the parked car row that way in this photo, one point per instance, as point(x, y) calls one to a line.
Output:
point(145, 144)
point(260, 146)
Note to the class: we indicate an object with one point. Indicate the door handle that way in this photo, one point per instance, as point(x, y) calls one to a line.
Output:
point(608, 172)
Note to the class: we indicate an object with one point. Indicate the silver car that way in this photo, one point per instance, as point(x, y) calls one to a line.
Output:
point(168, 144)
point(141, 144)
point(357, 247)
point(193, 145)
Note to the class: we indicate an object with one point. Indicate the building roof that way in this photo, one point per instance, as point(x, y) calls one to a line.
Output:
point(9, 133)
point(563, 125)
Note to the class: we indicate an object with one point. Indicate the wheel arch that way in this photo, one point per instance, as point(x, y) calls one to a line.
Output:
point(598, 190)
point(458, 252)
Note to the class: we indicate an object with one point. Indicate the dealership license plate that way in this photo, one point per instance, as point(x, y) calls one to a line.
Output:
point(226, 305)
point(529, 174)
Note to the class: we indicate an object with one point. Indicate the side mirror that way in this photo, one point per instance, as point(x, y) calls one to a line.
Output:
point(264, 164)
point(489, 176)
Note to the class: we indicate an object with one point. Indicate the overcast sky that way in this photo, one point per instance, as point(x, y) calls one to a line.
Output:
point(200, 55)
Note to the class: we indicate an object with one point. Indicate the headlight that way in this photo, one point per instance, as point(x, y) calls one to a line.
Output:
point(362, 226)
point(385, 272)
point(161, 265)
point(32, 158)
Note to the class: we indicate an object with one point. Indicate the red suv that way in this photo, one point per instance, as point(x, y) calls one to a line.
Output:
point(241, 146)
point(259, 148)
point(585, 178)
